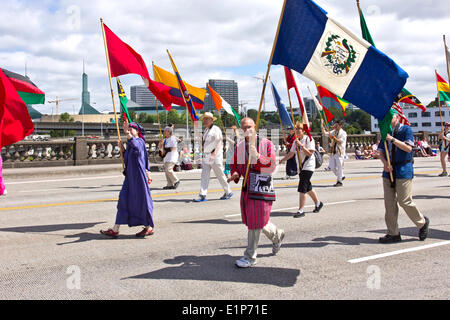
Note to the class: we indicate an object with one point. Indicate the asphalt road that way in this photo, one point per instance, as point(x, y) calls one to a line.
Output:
point(51, 247)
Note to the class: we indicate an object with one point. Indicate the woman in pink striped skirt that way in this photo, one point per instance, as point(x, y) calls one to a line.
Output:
point(255, 213)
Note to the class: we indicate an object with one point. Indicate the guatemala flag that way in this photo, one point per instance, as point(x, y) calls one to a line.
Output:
point(284, 115)
point(317, 46)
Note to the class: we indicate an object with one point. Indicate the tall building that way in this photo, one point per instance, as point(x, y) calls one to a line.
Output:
point(86, 107)
point(227, 89)
point(143, 96)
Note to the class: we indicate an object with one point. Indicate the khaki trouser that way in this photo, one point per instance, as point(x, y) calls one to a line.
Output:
point(400, 195)
point(170, 174)
point(270, 230)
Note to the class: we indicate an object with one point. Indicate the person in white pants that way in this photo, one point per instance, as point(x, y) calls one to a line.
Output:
point(212, 158)
point(338, 146)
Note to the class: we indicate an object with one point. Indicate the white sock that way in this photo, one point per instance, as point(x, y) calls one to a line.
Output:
point(300, 211)
point(318, 203)
point(116, 228)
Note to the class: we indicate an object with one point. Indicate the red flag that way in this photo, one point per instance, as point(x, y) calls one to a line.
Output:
point(124, 60)
point(291, 84)
point(15, 122)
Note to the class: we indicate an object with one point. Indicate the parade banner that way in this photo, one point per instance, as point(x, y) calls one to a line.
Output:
point(317, 46)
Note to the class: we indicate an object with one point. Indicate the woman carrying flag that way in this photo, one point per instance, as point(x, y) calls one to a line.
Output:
point(135, 206)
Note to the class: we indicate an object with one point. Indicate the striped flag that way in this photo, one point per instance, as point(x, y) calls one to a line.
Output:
point(326, 114)
point(26, 89)
point(443, 89)
point(323, 50)
point(220, 104)
point(123, 101)
point(184, 91)
point(403, 119)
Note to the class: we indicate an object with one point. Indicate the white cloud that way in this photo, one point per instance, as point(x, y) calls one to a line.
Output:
point(208, 39)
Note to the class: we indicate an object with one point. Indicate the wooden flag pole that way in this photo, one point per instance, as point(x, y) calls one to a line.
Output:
point(156, 104)
point(264, 85)
point(439, 101)
point(112, 92)
point(293, 122)
point(388, 160)
point(447, 58)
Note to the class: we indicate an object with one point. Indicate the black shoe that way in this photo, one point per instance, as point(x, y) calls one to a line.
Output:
point(317, 209)
point(338, 184)
point(343, 178)
point(443, 174)
point(176, 184)
point(423, 232)
point(390, 239)
point(299, 215)
point(167, 187)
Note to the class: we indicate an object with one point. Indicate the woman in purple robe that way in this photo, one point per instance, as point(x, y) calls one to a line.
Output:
point(135, 206)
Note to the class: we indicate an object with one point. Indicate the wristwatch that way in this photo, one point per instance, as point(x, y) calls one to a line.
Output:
point(393, 140)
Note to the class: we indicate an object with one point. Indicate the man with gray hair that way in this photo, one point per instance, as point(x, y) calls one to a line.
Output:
point(168, 150)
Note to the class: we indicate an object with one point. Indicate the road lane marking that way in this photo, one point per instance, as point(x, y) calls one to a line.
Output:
point(392, 253)
point(62, 180)
point(166, 194)
point(291, 208)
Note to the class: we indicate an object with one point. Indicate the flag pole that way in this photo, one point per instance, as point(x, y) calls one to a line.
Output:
point(439, 101)
point(293, 122)
point(447, 58)
point(264, 85)
point(156, 104)
point(112, 92)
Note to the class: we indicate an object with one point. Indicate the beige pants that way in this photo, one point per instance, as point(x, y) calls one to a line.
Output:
point(170, 174)
point(270, 230)
point(400, 195)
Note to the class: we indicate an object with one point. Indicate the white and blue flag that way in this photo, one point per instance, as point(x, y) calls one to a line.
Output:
point(320, 48)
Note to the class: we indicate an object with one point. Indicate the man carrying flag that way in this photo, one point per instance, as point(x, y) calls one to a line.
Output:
point(338, 150)
point(400, 143)
point(444, 143)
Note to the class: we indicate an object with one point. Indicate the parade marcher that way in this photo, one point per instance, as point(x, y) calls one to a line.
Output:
point(258, 195)
point(212, 158)
point(291, 164)
point(399, 192)
point(308, 165)
point(231, 144)
point(444, 146)
point(2, 184)
point(169, 150)
point(338, 150)
point(135, 206)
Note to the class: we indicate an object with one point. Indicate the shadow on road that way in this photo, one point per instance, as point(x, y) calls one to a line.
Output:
point(413, 232)
point(221, 268)
point(430, 196)
point(51, 227)
point(213, 221)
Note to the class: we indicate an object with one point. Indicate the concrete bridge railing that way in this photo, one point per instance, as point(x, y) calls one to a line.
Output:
point(84, 151)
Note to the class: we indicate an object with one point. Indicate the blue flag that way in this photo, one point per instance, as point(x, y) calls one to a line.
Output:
point(320, 48)
point(284, 115)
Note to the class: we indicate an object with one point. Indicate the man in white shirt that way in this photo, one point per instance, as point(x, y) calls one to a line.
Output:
point(304, 145)
point(338, 150)
point(169, 151)
point(212, 158)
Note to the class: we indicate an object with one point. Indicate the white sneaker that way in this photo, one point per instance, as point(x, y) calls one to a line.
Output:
point(4, 193)
point(277, 244)
point(245, 262)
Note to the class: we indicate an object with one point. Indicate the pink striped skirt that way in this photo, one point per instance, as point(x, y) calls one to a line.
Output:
point(255, 213)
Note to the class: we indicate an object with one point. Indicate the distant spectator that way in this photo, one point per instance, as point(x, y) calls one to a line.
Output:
point(358, 154)
point(425, 148)
point(375, 153)
point(320, 149)
point(367, 154)
point(185, 159)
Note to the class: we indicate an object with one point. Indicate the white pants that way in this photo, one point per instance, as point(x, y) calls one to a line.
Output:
point(270, 230)
point(218, 171)
point(336, 165)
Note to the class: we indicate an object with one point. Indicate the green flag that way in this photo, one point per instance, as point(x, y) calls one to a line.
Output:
point(365, 31)
point(123, 101)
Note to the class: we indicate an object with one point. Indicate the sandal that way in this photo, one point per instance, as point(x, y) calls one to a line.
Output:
point(110, 233)
point(145, 232)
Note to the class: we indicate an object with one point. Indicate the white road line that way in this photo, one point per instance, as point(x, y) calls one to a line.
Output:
point(291, 208)
point(392, 253)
